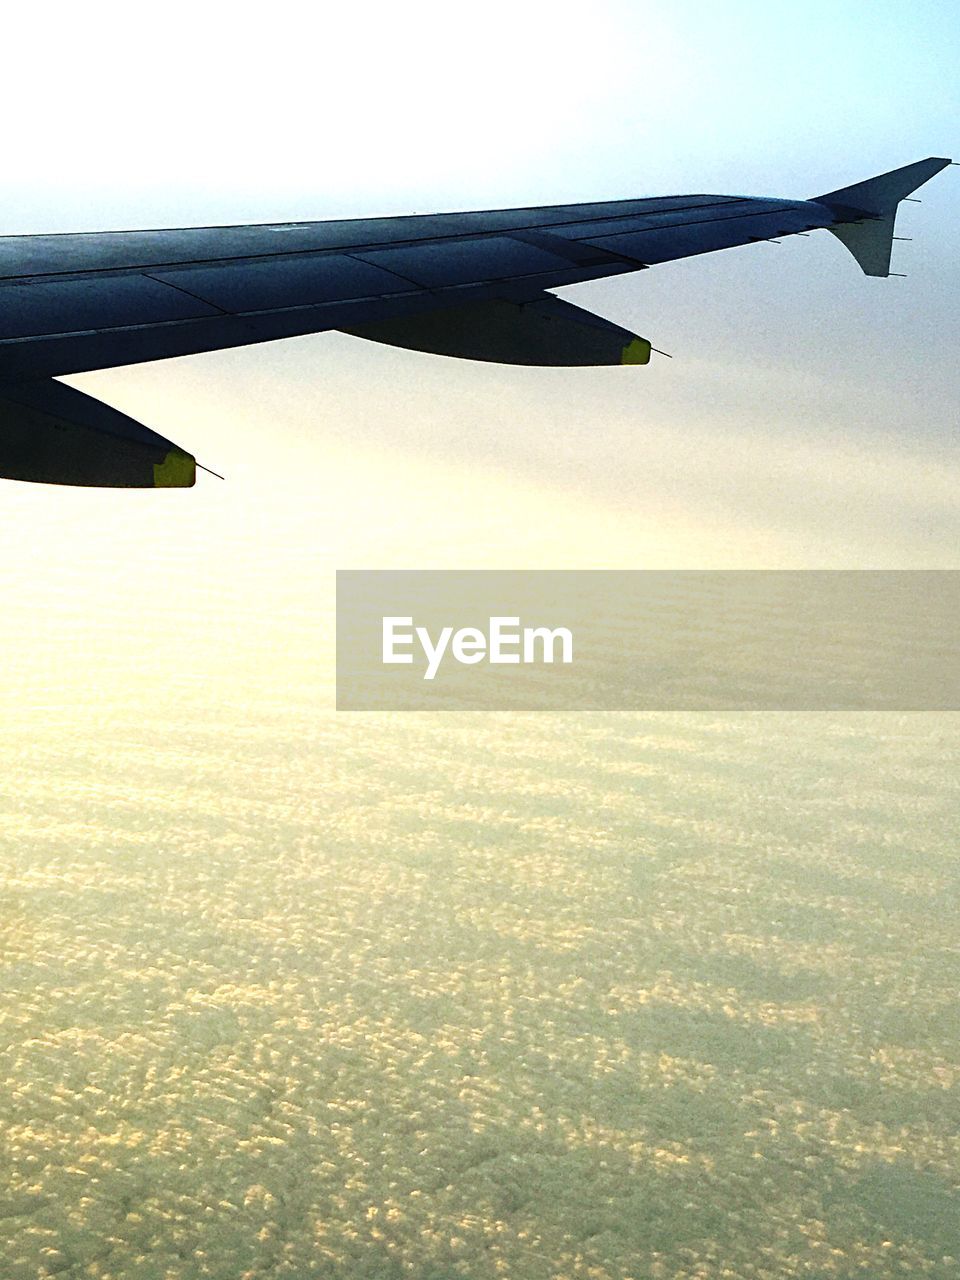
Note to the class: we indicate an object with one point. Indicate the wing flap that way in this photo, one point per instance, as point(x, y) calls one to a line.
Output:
point(544, 331)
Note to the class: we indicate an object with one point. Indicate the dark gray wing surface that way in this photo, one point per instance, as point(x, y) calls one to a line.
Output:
point(72, 303)
point(472, 285)
point(90, 301)
point(77, 302)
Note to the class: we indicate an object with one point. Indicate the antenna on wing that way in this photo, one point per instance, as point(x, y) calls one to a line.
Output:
point(209, 472)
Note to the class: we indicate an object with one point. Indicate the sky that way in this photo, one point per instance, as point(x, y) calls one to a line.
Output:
point(218, 891)
point(806, 419)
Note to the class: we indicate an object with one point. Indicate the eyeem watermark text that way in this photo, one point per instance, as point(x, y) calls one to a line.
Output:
point(503, 643)
point(648, 640)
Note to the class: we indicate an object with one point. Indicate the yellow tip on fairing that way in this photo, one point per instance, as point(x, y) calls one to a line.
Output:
point(178, 470)
point(636, 352)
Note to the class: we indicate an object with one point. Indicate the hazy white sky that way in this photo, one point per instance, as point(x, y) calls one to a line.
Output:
point(212, 111)
point(808, 416)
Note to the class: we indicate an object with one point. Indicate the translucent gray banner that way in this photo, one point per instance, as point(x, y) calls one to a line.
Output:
point(421, 640)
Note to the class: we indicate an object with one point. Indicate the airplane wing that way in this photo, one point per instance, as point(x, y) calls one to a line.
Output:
point(473, 285)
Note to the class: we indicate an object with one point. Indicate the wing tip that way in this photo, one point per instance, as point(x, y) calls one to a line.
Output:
point(881, 195)
point(865, 212)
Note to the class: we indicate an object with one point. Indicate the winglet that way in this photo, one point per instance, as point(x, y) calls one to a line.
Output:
point(866, 211)
point(882, 195)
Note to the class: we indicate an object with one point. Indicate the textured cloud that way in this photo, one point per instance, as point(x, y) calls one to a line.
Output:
point(292, 995)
